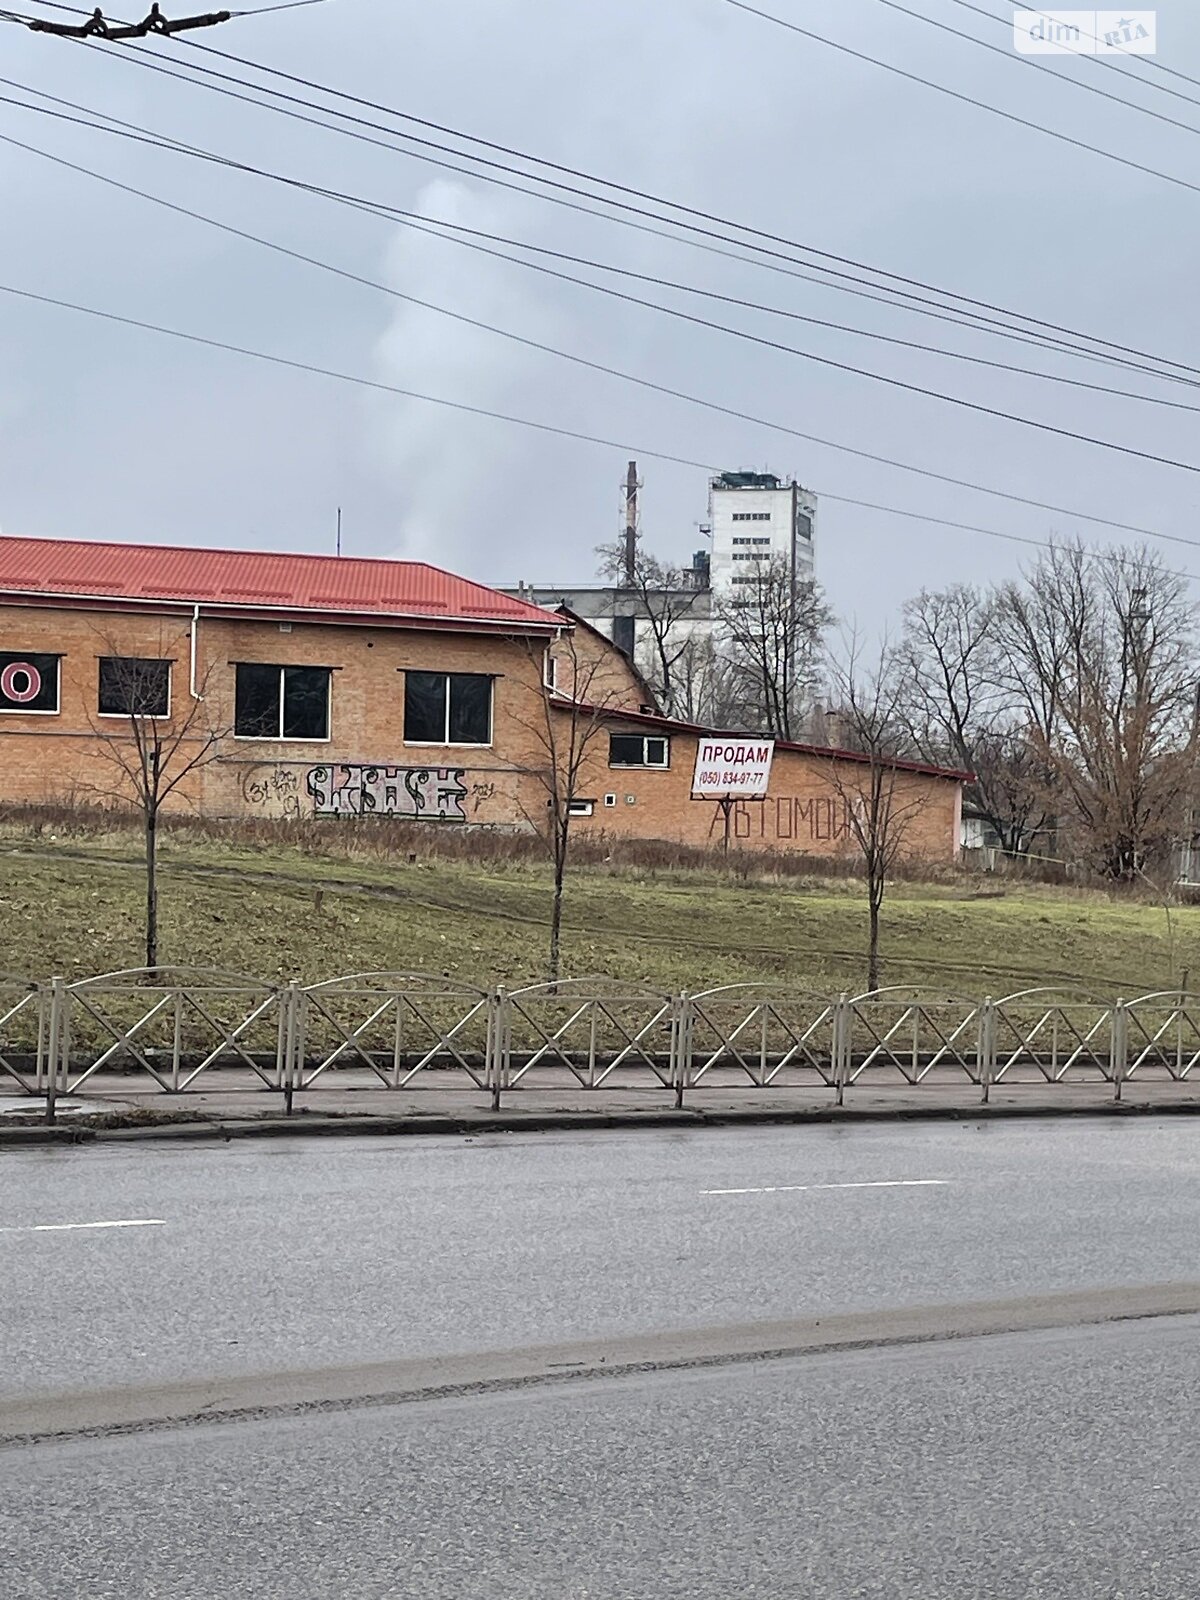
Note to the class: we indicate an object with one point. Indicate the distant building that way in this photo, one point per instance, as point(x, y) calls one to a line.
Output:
point(754, 517)
point(635, 621)
point(668, 633)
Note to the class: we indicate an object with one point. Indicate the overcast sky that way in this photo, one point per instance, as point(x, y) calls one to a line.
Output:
point(110, 432)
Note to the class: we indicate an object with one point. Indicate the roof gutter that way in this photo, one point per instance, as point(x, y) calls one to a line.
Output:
point(415, 618)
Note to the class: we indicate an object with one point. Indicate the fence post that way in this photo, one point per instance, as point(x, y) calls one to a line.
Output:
point(288, 1062)
point(39, 1081)
point(682, 1045)
point(176, 1040)
point(1119, 1047)
point(841, 1046)
point(987, 1048)
point(497, 1043)
point(57, 1002)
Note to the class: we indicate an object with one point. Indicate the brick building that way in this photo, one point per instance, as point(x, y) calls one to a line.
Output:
point(334, 686)
point(641, 768)
point(338, 687)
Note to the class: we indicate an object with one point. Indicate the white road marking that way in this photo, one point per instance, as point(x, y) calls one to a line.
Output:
point(72, 1227)
point(878, 1183)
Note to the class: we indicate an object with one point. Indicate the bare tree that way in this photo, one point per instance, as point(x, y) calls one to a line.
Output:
point(667, 599)
point(563, 727)
point(1101, 649)
point(769, 630)
point(881, 800)
point(960, 709)
point(152, 741)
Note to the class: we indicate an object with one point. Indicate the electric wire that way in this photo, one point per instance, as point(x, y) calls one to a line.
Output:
point(571, 356)
point(133, 53)
point(552, 428)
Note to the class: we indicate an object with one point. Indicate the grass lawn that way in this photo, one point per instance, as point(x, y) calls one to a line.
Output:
point(72, 904)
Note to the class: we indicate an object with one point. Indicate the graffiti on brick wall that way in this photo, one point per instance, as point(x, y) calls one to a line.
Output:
point(274, 789)
point(434, 794)
point(787, 819)
point(481, 793)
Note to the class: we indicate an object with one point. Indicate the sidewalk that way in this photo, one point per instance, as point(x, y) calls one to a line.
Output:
point(122, 1107)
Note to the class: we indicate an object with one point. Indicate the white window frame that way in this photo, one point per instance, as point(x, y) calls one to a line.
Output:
point(581, 808)
point(643, 765)
point(148, 716)
point(455, 744)
point(20, 711)
point(281, 737)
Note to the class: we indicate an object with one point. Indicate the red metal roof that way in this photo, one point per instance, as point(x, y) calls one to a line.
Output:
point(339, 586)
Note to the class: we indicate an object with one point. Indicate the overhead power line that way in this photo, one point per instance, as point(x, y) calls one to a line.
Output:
point(1038, 66)
point(895, 284)
point(284, 5)
point(907, 283)
point(470, 238)
point(964, 99)
point(571, 356)
point(571, 433)
point(1111, 63)
point(723, 410)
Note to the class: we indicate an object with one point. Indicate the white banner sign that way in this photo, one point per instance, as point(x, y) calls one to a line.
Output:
point(732, 769)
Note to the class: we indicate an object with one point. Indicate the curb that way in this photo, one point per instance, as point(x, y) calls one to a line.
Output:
point(320, 1125)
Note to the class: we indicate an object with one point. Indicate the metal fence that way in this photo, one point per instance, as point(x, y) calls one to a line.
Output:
point(184, 1029)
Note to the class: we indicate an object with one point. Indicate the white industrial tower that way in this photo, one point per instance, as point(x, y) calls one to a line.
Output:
point(754, 517)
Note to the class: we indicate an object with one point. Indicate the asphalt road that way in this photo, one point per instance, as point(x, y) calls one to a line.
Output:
point(1055, 1466)
point(1057, 1463)
point(299, 1255)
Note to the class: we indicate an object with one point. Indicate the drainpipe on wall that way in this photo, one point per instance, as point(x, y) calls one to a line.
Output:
point(192, 677)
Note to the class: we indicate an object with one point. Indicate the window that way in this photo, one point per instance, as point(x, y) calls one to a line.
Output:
point(751, 538)
point(623, 634)
point(134, 686)
point(281, 702)
point(28, 682)
point(610, 799)
point(804, 525)
point(636, 750)
point(447, 708)
point(581, 808)
point(752, 516)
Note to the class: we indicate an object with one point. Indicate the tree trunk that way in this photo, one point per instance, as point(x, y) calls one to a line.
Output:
point(151, 889)
point(873, 946)
point(560, 866)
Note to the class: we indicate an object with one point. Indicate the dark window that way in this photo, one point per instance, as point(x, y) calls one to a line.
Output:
point(634, 750)
point(447, 708)
point(28, 682)
point(470, 708)
point(306, 702)
point(425, 707)
point(281, 702)
point(134, 686)
point(623, 634)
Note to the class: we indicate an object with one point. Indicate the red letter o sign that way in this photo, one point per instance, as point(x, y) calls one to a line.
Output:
point(20, 682)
